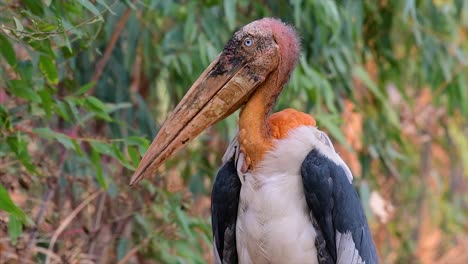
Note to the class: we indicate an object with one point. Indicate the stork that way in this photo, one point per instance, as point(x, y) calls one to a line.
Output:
point(282, 195)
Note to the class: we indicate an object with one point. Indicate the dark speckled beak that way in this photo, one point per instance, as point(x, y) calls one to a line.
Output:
point(220, 90)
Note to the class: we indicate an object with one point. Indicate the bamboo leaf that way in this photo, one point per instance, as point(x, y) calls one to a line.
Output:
point(19, 146)
point(98, 107)
point(46, 100)
point(49, 134)
point(47, 66)
point(230, 11)
point(85, 88)
point(15, 228)
point(88, 5)
point(7, 205)
point(104, 4)
point(96, 160)
point(7, 51)
point(18, 24)
point(23, 89)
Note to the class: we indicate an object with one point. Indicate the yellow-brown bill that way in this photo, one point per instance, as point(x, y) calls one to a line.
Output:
point(246, 61)
point(220, 90)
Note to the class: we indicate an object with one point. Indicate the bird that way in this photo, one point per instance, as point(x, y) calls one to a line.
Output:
point(282, 194)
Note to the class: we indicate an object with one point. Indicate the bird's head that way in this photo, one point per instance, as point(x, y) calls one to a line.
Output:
point(264, 50)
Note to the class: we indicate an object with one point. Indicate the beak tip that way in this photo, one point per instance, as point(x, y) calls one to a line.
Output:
point(135, 179)
point(144, 170)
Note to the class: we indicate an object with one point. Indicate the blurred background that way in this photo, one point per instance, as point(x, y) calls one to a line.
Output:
point(85, 85)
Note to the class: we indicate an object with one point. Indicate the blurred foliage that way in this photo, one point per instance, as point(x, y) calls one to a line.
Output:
point(85, 84)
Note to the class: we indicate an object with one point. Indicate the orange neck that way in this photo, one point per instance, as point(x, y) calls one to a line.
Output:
point(254, 131)
point(258, 129)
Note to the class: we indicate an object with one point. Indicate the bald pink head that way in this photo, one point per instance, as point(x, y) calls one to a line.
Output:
point(285, 37)
point(269, 40)
point(287, 40)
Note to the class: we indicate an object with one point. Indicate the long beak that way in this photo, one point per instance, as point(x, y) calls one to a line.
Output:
point(220, 90)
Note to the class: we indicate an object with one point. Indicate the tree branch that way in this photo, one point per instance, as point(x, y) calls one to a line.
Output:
point(110, 47)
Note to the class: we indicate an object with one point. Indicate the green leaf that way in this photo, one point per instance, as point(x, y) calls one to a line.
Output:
point(73, 110)
point(115, 107)
point(362, 75)
point(111, 150)
point(102, 147)
point(141, 142)
point(7, 205)
point(88, 5)
point(103, 3)
point(118, 154)
point(7, 51)
point(46, 27)
point(35, 6)
point(46, 99)
point(190, 30)
point(134, 156)
point(297, 11)
point(77, 147)
point(230, 11)
point(43, 46)
point(96, 160)
point(47, 133)
point(130, 4)
point(18, 24)
point(98, 107)
point(48, 68)
point(26, 71)
point(19, 147)
point(5, 122)
point(62, 109)
point(364, 196)
point(182, 220)
point(389, 111)
point(83, 89)
point(122, 247)
point(186, 61)
point(15, 228)
point(67, 50)
point(23, 89)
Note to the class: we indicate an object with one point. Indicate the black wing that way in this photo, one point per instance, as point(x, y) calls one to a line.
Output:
point(337, 210)
point(224, 204)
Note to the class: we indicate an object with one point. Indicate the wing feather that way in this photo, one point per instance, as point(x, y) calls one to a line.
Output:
point(224, 204)
point(337, 209)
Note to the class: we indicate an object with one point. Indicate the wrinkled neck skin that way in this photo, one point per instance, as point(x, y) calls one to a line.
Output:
point(254, 131)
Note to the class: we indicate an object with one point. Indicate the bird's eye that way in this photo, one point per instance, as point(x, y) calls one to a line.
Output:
point(248, 42)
